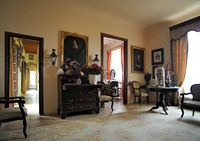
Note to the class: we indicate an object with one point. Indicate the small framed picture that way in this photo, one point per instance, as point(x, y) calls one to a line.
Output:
point(158, 56)
point(137, 59)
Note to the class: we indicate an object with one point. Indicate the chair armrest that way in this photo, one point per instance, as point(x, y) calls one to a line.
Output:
point(183, 94)
point(15, 98)
point(19, 100)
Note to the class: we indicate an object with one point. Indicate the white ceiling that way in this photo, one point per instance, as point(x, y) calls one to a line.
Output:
point(147, 12)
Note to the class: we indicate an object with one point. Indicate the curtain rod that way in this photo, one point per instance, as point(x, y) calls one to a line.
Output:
point(185, 23)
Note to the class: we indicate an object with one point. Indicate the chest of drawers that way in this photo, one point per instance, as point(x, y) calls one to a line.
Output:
point(74, 97)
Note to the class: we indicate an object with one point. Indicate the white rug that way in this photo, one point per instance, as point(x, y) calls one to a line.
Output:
point(135, 125)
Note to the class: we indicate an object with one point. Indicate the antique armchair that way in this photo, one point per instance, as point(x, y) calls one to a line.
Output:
point(193, 103)
point(15, 113)
point(106, 95)
point(137, 92)
point(115, 88)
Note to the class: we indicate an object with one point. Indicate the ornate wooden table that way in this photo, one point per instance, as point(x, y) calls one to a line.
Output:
point(162, 91)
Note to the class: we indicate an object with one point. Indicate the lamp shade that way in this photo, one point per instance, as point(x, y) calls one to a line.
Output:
point(53, 57)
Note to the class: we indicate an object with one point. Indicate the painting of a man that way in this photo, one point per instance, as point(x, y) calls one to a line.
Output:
point(138, 59)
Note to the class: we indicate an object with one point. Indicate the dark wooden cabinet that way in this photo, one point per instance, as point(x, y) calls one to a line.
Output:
point(74, 97)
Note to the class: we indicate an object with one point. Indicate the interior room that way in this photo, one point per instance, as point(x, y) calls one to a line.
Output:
point(99, 70)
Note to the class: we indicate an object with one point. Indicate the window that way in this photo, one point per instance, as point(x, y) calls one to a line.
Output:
point(116, 64)
point(193, 68)
point(32, 78)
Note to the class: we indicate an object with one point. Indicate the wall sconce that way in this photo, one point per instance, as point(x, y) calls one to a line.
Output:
point(53, 57)
point(96, 59)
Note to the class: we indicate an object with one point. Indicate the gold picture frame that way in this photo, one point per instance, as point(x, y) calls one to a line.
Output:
point(137, 59)
point(73, 46)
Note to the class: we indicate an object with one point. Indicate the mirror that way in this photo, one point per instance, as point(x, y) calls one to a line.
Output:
point(74, 47)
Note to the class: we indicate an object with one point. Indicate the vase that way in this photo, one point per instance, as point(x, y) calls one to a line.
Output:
point(93, 78)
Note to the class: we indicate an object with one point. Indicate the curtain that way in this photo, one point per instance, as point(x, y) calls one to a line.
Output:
point(109, 54)
point(122, 64)
point(179, 46)
point(179, 58)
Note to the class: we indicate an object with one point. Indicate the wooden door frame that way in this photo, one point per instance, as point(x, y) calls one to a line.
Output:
point(7, 64)
point(125, 60)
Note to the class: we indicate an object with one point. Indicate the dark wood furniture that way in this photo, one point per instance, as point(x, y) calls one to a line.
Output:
point(137, 91)
point(74, 97)
point(107, 94)
point(16, 113)
point(194, 103)
point(162, 91)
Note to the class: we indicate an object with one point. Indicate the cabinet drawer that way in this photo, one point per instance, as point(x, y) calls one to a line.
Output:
point(86, 98)
point(86, 106)
point(68, 108)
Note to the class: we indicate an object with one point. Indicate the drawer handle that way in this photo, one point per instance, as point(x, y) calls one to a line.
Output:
point(70, 100)
point(91, 99)
point(70, 107)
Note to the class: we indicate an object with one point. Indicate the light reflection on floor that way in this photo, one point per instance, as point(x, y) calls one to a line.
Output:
point(32, 102)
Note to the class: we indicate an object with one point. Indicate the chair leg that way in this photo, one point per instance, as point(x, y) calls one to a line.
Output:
point(182, 110)
point(140, 99)
point(193, 112)
point(112, 104)
point(134, 99)
point(182, 100)
point(24, 126)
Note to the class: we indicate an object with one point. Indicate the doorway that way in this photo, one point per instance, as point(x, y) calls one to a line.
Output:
point(23, 59)
point(117, 46)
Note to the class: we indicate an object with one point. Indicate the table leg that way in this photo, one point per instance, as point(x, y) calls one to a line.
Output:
point(161, 103)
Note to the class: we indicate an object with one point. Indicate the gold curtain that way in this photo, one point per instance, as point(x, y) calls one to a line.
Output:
point(109, 54)
point(179, 58)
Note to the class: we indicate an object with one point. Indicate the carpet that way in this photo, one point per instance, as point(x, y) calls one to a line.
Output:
point(133, 125)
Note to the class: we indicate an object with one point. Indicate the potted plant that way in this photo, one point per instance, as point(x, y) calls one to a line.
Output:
point(92, 72)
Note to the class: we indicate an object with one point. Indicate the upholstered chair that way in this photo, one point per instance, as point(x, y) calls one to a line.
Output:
point(106, 95)
point(193, 103)
point(14, 113)
point(137, 92)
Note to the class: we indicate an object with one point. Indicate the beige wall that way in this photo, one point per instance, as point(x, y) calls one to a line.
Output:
point(157, 36)
point(45, 18)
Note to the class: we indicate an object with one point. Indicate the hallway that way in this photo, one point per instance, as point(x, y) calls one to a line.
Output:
point(32, 102)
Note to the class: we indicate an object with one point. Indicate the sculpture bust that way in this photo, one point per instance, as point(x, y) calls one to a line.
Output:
point(169, 80)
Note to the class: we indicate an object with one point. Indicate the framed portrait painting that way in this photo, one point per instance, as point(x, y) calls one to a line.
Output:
point(137, 59)
point(158, 56)
point(74, 46)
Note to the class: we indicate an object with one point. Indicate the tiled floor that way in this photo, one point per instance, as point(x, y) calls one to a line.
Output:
point(32, 102)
